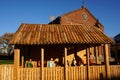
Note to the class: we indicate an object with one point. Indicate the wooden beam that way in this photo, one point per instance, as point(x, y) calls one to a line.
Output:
point(16, 63)
point(65, 64)
point(42, 64)
point(107, 67)
point(87, 62)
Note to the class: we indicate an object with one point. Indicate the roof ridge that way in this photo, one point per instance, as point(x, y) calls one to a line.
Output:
point(50, 24)
point(71, 12)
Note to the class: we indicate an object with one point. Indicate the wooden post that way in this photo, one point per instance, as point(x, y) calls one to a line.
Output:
point(22, 61)
point(107, 67)
point(87, 62)
point(42, 64)
point(16, 63)
point(96, 54)
point(65, 64)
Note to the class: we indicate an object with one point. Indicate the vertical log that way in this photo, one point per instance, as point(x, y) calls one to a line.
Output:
point(107, 67)
point(96, 55)
point(42, 64)
point(22, 61)
point(16, 63)
point(65, 65)
point(100, 52)
point(87, 61)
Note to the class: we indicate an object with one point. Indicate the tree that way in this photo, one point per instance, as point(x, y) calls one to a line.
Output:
point(5, 48)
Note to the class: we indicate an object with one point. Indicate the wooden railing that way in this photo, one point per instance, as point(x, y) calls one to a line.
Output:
point(97, 73)
point(115, 72)
point(77, 73)
point(6, 72)
point(57, 73)
point(29, 74)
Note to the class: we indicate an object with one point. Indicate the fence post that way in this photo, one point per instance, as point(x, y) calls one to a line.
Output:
point(16, 63)
point(107, 67)
point(87, 62)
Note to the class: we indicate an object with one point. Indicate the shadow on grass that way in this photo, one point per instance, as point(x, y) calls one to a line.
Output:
point(6, 60)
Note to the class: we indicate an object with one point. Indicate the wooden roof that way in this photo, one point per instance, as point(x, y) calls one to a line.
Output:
point(45, 34)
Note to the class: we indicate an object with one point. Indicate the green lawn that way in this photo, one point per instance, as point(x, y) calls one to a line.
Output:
point(6, 61)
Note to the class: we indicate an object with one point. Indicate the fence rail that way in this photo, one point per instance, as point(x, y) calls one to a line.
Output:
point(57, 73)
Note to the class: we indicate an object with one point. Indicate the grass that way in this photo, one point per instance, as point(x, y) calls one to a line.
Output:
point(6, 62)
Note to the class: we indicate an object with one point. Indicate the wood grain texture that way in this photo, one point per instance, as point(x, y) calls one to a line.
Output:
point(38, 34)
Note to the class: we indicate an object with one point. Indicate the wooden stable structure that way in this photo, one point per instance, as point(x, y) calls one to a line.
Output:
point(45, 41)
point(69, 35)
point(74, 73)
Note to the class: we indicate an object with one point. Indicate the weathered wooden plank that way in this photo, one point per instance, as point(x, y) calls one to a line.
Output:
point(78, 73)
point(16, 62)
point(42, 64)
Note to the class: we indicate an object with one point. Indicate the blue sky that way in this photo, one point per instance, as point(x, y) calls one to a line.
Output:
point(15, 12)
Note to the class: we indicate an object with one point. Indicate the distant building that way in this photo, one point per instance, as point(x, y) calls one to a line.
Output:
point(116, 48)
point(80, 16)
point(117, 38)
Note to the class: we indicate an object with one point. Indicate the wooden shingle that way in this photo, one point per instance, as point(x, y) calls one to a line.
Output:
point(44, 34)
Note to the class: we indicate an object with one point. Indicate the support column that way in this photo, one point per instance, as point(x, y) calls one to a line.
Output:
point(16, 63)
point(65, 64)
point(97, 52)
point(22, 61)
point(107, 67)
point(42, 64)
point(87, 62)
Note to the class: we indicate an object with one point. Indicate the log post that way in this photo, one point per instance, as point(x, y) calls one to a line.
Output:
point(22, 61)
point(65, 64)
point(96, 54)
point(42, 64)
point(16, 63)
point(107, 67)
point(87, 62)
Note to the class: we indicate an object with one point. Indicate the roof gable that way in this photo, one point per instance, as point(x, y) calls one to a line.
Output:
point(78, 17)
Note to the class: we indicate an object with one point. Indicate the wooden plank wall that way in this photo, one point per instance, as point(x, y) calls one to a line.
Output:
point(97, 73)
point(6, 72)
point(115, 72)
point(57, 73)
point(77, 73)
point(29, 74)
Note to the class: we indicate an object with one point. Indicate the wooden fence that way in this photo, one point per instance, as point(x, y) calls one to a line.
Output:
point(115, 72)
point(57, 73)
point(6, 72)
point(29, 74)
